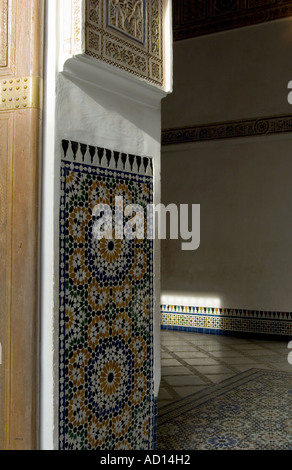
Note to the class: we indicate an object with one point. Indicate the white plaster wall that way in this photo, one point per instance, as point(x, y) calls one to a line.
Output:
point(96, 116)
point(245, 255)
point(92, 115)
point(243, 185)
point(47, 347)
point(241, 73)
point(96, 105)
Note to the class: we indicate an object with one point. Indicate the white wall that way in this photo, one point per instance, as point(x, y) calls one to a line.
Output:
point(245, 255)
point(47, 346)
point(89, 113)
point(236, 74)
point(242, 184)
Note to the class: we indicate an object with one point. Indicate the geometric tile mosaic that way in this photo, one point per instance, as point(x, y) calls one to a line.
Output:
point(106, 397)
point(249, 411)
point(224, 320)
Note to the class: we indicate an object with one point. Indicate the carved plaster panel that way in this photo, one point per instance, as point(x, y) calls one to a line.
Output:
point(228, 130)
point(78, 26)
point(193, 18)
point(128, 18)
point(127, 34)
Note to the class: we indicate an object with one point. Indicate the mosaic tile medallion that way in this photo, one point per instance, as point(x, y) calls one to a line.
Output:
point(106, 398)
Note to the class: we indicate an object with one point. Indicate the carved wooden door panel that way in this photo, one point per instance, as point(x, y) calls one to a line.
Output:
point(21, 46)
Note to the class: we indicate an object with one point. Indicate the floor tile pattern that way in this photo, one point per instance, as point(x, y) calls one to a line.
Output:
point(249, 411)
point(192, 361)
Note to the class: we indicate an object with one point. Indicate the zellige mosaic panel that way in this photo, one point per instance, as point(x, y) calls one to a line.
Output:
point(225, 320)
point(106, 398)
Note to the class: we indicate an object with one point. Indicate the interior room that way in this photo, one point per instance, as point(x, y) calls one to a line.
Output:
point(115, 336)
point(226, 306)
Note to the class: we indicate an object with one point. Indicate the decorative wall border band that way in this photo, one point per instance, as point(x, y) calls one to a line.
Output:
point(228, 130)
point(198, 18)
point(21, 93)
point(226, 320)
point(113, 160)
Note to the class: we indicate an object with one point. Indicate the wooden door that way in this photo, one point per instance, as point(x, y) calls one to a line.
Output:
point(21, 52)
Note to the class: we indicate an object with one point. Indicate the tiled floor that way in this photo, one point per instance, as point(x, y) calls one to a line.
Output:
point(192, 361)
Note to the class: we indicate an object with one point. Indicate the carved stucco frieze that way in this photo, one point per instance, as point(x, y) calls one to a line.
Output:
point(128, 18)
point(193, 18)
point(127, 34)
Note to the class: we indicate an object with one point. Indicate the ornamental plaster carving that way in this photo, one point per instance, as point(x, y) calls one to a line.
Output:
point(193, 18)
point(227, 130)
point(128, 17)
point(127, 34)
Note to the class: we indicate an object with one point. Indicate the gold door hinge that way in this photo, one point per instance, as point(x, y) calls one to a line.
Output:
point(21, 93)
